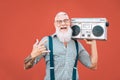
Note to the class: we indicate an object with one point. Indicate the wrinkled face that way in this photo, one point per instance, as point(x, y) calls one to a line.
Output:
point(62, 22)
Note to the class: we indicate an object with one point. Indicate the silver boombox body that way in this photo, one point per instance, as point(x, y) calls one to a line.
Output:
point(89, 28)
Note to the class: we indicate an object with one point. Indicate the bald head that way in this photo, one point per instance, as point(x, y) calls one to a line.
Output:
point(61, 16)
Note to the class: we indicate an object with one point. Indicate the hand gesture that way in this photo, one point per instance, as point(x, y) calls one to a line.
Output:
point(38, 48)
point(90, 41)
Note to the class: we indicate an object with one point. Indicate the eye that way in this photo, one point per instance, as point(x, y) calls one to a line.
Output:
point(66, 20)
point(59, 21)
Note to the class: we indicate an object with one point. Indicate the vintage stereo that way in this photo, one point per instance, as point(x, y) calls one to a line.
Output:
point(89, 28)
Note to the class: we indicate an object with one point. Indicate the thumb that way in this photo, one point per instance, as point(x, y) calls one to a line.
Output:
point(36, 43)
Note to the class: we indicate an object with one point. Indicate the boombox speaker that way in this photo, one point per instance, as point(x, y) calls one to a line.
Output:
point(89, 28)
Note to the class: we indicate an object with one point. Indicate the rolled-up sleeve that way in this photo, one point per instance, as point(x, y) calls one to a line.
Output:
point(83, 56)
point(38, 58)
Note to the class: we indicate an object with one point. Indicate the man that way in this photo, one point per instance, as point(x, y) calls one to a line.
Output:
point(64, 51)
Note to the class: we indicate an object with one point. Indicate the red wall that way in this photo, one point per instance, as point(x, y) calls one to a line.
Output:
point(22, 21)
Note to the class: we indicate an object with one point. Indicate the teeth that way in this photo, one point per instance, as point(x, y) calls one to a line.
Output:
point(63, 28)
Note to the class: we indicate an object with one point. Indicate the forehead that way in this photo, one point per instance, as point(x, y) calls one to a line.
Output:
point(61, 16)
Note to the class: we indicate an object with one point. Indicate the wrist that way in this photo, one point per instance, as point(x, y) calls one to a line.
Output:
point(32, 55)
point(93, 42)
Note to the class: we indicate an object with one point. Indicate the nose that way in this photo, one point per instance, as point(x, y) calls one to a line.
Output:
point(63, 23)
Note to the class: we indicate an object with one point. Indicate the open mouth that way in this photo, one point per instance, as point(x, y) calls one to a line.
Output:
point(62, 28)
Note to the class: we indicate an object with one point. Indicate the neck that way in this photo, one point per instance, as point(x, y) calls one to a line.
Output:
point(65, 43)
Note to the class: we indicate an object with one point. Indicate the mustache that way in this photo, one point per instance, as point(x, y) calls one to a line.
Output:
point(64, 37)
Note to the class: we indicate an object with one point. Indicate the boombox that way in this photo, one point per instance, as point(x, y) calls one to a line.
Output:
point(89, 28)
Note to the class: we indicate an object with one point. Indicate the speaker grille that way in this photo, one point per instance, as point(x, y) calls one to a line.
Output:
point(97, 31)
point(76, 30)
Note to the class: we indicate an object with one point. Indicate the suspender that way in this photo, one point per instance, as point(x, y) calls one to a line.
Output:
point(75, 65)
point(52, 75)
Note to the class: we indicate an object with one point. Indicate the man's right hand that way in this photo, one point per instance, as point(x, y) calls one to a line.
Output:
point(38, 48)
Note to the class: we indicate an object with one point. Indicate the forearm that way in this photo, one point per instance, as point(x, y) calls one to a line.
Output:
point(94, 55)
point(39, 50)
point(29, 62)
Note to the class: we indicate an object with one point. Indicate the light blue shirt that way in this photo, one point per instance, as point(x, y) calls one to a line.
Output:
point(64, 58)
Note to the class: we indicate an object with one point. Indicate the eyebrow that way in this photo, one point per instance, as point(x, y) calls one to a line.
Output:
point(63, 19)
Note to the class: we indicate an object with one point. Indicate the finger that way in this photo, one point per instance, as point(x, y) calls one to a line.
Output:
point(42, 49)
point(37, 41)
point(42, 43)
point(88, 42)
point(46, 51)
point(85, 40)
point(41, 46)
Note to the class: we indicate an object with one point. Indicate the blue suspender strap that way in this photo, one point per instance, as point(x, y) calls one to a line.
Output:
point(52, 76)
point(74, 68)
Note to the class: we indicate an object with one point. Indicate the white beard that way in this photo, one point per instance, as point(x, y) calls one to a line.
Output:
point(64, 37)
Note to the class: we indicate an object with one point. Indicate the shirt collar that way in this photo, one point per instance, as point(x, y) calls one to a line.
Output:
point(54, 35)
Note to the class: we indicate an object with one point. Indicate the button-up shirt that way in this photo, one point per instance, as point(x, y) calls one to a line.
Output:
point(64, 58)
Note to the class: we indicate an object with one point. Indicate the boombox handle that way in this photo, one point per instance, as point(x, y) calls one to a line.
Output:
point(107, 24)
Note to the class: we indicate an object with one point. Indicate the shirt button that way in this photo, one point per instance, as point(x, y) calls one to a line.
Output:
point(64, 47)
